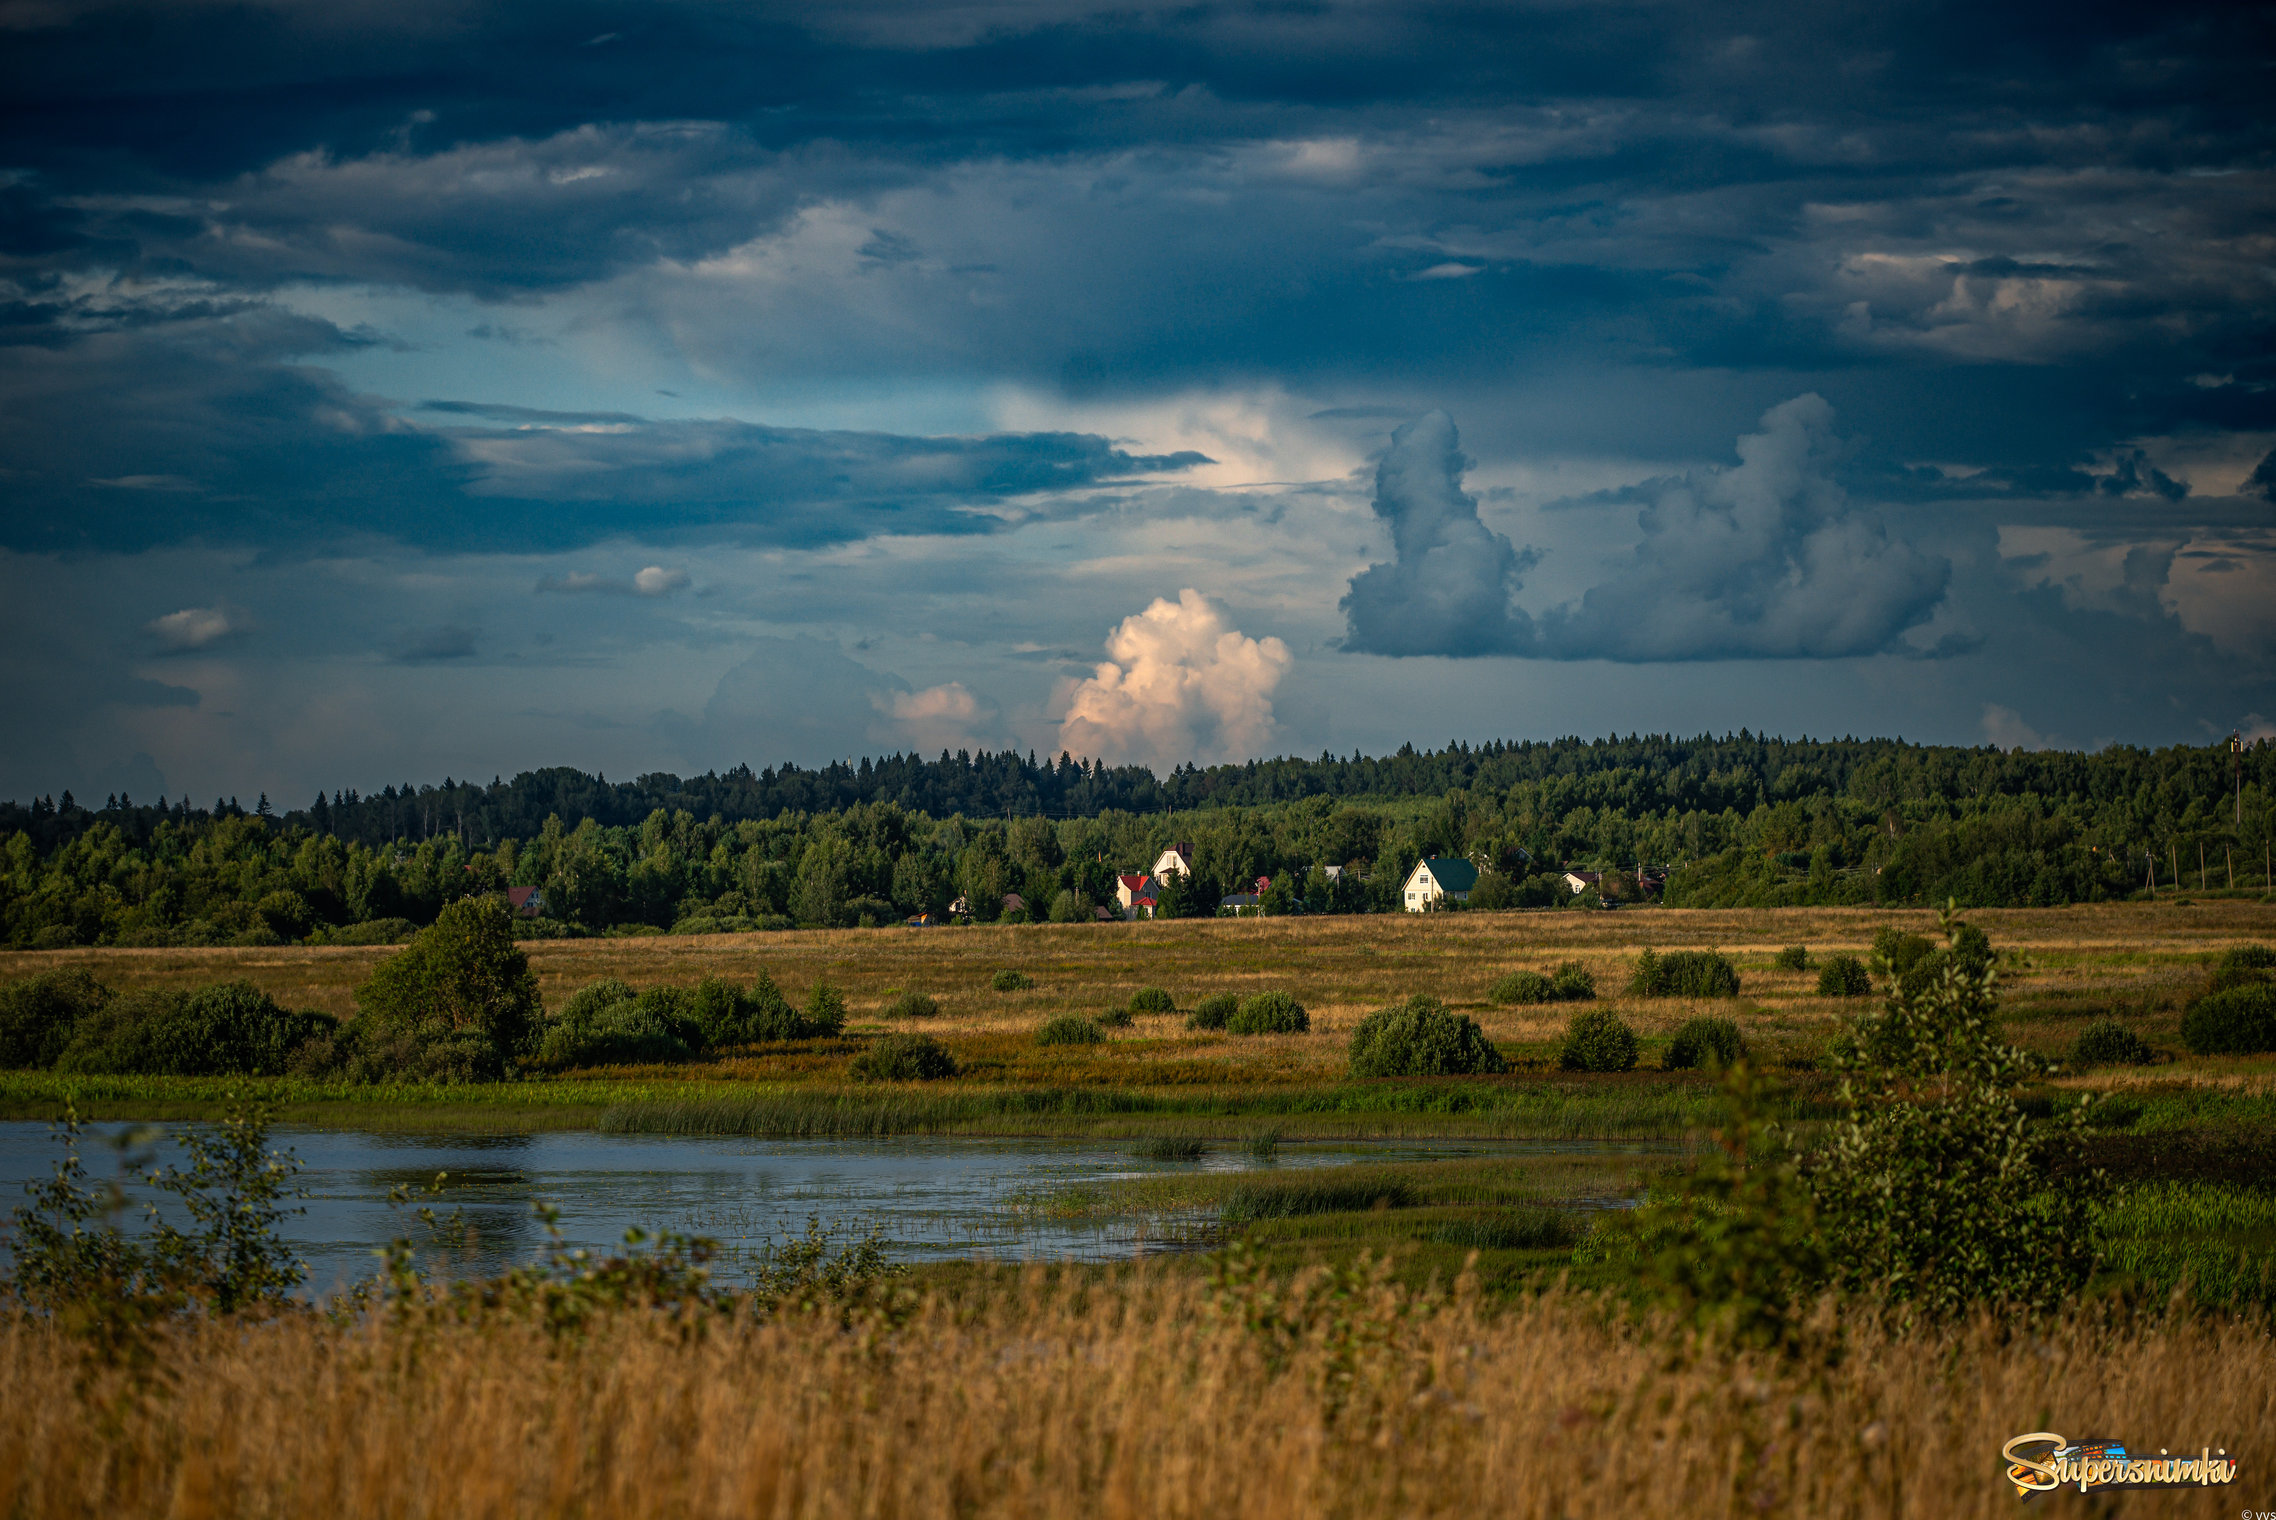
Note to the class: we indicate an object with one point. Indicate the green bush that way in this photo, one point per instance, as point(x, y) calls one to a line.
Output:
point(2106, 1042)
point(1012, 981)
point(767, 1015)
point(606, 1023)
point(1269, 1013)
point(1116, 1018)
point(1895, 952)
point(458, 1003)
point(1213, 1012)
point(2243, 967)
point(1844, 976)
point(1684, 973)
point(903, 1058)
point(39, 1013)
point(1069, 1029)
point(825, 1011)
point(912, 1005)
point(1421, 1038)
point(717, 1009)
point(2236, 1021)
point(1793, 958)
point(1934, 1130)
point(1573, 982)
point(1705, 1042)
point(1152, 1000)
point(1597, 1040)
point(1521, 987)
point(225, 1030)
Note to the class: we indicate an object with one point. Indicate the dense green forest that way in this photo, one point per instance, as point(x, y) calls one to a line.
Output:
point(1737, 820)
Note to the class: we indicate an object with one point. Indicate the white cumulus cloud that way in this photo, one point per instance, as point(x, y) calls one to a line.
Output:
point(941, 717)
point(196, 627)
point(1181, 684)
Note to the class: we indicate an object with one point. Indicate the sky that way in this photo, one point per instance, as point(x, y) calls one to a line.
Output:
point(392, 391)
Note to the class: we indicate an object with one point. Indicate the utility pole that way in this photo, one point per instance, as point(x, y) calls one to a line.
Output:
point(2236, 764)
point(2229, 855)
point(2173, 856)
point(2201, 879)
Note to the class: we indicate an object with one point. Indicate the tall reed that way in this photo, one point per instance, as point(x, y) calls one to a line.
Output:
point(1155, 1396)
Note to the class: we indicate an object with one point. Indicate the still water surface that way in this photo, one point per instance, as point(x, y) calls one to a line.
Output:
point(930, 1198)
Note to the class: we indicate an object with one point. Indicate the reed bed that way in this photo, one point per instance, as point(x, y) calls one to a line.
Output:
point(1040, 1397)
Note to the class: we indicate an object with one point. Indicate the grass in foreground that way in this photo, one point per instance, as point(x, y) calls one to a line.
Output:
point(1043, 1395)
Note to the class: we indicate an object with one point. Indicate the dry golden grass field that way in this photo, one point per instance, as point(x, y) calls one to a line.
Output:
point(1141, 1395)
point(2062, 968)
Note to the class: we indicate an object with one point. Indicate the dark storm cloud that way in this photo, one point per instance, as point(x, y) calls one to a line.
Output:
point(1766, 559)
point(1447, 588)
point(201, 426)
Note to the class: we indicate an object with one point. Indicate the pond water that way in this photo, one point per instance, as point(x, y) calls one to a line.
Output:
point(929, 1198)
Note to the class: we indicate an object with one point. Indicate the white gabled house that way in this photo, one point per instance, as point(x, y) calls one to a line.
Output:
point(1176, 860)
point(1437, 879)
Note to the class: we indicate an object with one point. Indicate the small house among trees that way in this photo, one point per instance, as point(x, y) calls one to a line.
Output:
point(1436, 880)
point(527, 902)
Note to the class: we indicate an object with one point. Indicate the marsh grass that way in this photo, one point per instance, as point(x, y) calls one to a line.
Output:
point(1035, 1394)
point(2216, 1243)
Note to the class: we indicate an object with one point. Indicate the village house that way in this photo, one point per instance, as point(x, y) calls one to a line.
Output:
point(1577, 882)
point(1177, 859)
point(526, 902)
point(1137, 893)
point(1438, 879)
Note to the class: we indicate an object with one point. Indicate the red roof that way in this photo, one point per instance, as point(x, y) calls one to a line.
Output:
point(1135, 882)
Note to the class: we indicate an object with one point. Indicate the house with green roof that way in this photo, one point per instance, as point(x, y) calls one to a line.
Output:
point(1437, 879)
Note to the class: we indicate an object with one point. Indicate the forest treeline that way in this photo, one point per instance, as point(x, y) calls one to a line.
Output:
point(1738, 820)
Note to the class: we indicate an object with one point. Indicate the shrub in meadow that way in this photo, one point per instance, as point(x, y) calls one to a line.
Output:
point(2244, 966)
point(2106, 1042)
point(1793, 958)
point(912, 1005)
point(1520, 988)
point(1152, 1000)
point(903, 1058)
point(1684, 973)
point(1069, 1029)
point(1012, 981)
point(1598, 1040)
point(1895, 952)
point(1213, 1011)
point(1116, 1018)
point(825, 1011)
point(1844, 976)
point(229, 1029)
point(1269, 1013)
point(1422, 1038)
point(2234, 1021)
point(1705, 1042)
point(1572, 982)
point(607, 1024)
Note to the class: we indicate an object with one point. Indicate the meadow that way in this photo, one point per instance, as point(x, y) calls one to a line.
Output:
point(2061, 968)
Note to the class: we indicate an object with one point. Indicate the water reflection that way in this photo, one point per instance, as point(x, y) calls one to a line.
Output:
point(930, 1198)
